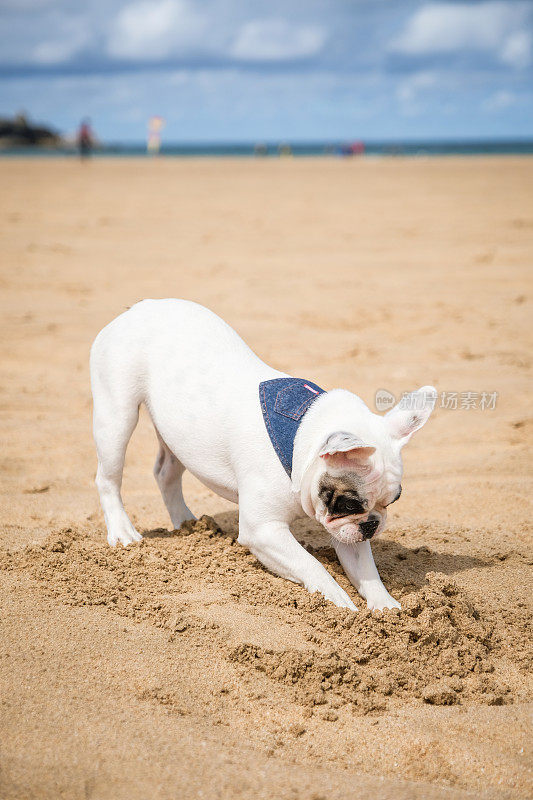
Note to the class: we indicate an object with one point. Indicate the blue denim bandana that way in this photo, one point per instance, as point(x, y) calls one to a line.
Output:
point(284, 402)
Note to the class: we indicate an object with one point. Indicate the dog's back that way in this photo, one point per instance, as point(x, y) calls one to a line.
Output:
point(196, 376)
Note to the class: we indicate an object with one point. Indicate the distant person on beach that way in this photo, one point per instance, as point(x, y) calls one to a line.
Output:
point(153, 143)
point(85, 139)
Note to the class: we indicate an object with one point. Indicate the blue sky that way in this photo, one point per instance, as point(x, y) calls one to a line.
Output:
point(222, 70)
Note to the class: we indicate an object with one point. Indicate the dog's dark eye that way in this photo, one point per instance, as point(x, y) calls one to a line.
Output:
point(347, 505)
point(326, 495)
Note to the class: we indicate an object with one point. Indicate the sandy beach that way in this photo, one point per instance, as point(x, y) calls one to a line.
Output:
point(179, 668)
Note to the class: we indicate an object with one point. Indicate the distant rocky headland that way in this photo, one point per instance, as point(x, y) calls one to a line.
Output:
point(19, 132)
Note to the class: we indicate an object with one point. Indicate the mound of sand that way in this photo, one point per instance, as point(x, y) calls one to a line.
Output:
point(439, 649)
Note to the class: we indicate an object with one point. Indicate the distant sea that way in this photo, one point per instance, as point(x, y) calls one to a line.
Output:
point(430, 148)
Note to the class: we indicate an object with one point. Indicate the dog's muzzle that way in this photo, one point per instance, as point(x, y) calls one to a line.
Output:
point(369, 527)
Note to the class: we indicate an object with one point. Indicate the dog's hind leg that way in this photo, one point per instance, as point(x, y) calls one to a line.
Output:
point(168, 472)
point(115, 416)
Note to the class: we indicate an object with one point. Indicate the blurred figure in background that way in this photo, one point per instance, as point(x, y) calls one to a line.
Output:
point(352, 149)
point(85, 139)
point(155, 126)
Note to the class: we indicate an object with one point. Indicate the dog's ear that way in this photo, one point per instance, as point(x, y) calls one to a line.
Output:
point(342, 449)
point(410, 414)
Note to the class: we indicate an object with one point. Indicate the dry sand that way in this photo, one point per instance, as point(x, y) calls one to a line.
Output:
point(179, 668)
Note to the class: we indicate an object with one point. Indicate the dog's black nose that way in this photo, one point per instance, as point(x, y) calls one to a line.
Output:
point(369, 527)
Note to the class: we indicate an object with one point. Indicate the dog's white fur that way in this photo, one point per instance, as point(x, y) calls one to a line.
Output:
point(199, 382)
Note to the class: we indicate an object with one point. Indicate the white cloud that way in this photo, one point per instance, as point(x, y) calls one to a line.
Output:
point(496, 28)
point(500, 100)
point(277, 40)
point(155, 29)
point(411, 87)
point(57, 51)
point(413, 90)
point(73, 36)
point(516, 50)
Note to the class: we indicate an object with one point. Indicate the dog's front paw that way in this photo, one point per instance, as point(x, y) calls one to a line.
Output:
point(335, 594)
point(341, 600)
point(382, 602)
point(123, 532)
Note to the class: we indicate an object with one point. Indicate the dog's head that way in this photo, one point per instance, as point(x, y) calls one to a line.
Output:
point(353, 480)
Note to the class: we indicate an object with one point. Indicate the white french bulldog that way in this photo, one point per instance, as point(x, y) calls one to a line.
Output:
point(278, 446)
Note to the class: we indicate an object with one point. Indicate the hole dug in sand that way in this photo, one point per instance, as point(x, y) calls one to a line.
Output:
point(439, 649)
